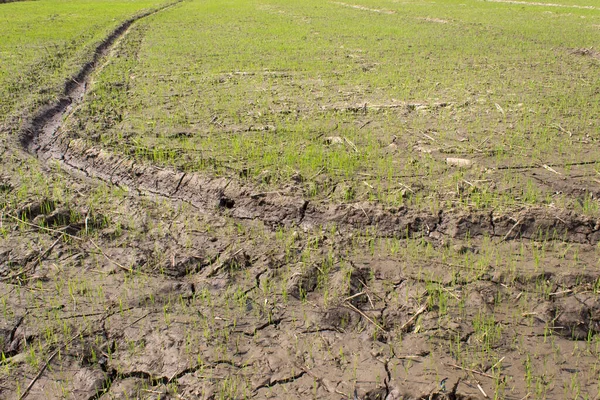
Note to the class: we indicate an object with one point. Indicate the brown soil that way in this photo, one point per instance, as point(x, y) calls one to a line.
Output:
point(124, 280)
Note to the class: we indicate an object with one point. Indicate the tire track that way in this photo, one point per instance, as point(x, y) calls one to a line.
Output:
point(38, 134)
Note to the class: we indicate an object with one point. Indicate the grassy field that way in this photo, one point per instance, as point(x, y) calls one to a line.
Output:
point(365, 103)
point(374, 199)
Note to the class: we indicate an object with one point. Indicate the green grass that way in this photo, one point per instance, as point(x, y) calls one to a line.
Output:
point(254, 88)
point(42, 43)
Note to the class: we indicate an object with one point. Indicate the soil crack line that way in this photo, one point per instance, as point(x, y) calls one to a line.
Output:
point(183, 175)
point(115, 375)
point(282, 381)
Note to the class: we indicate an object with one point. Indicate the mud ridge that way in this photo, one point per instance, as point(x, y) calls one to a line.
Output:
point(40, 136)
point(208, 194)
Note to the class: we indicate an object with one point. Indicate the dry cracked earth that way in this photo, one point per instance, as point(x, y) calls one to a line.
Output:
point(122, 280)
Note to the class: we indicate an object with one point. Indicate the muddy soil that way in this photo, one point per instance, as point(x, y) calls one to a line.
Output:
point(122, 280)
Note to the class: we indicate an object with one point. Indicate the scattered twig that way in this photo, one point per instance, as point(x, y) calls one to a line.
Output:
point(153, 391)
point(510, 231)
point(34, 380)
point(362, 209)
point(561, 292)
point(138, 320)
point(562, 165)
point(366, 293)
point(370, 291)
point(93, 314)
point(351, 144)
point(499, 361)
point(482, 392)
point(44, 228)
point(41, 371)
point(370, 300)
point(317, 174)
point(499, 108)
point(253, 196)
point(408, 357)
point(428, 137)
point(110, 259)
point(528, 314)
point(484, 141)
point(222, 264)
point(563, 130)
point(518, 296)
point(371, 186)
point(354, 296)
point(551, 169)
point(350, 306)
point(365, 124)
point(471, 370)
point(405, 187)
point(411, 320)
point(450, 293)
point(33, 264)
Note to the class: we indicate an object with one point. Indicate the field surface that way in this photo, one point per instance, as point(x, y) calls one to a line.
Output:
point(286, 199)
